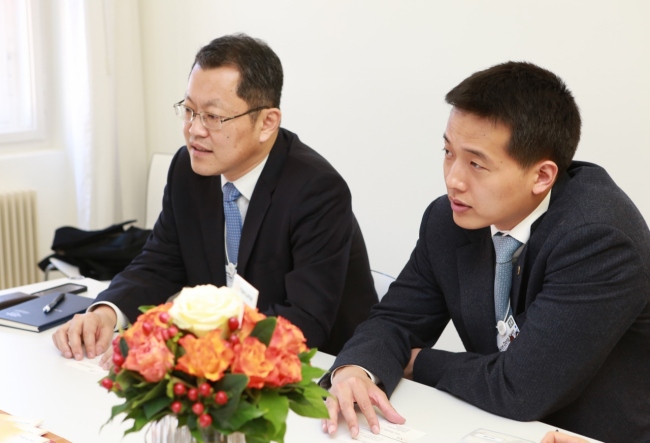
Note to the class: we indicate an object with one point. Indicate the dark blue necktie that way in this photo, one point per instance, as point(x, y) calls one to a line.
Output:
point(233, 221)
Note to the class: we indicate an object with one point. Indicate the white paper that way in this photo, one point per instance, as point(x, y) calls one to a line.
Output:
point(89, 365)
point(388, 432)
point(487, 436)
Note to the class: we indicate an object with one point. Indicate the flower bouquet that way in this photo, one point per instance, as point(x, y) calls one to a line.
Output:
point(215, 364)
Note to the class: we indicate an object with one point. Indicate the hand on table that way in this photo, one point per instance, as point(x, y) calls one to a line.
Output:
point(94, 330)
point(352, 385)
point(558, 437)
point(408, 370)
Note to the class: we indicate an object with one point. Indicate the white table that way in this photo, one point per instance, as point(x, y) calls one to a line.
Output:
point(36, 382)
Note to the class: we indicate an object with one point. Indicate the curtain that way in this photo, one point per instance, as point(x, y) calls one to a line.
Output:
point(103, 122)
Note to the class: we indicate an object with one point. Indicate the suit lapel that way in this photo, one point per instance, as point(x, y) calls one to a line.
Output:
point(475, 263)
point(261, 198)
point(212, 228)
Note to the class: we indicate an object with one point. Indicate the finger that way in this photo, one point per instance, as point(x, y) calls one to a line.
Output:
point(107, 361)
point(60, 339)
point(379, 399)
point(333, 409)
point(104, 338)
point(90, 332)
point(362, 397)
point(346, 399)
point(74, 337)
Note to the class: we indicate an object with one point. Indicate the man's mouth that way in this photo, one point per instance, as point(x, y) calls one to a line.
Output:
point(458, 205)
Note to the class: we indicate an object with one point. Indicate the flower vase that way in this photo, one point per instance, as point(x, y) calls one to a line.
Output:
point(166, 430)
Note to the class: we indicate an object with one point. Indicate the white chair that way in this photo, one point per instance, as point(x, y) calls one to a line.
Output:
point(156, 181)
point(382, 282)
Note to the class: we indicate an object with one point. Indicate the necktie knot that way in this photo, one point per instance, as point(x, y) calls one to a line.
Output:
point(230, 192)
point(505, 246)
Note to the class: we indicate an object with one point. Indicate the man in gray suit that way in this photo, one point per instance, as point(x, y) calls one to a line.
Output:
point(559, 329)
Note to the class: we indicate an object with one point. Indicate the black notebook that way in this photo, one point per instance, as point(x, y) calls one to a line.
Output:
point(29, 315)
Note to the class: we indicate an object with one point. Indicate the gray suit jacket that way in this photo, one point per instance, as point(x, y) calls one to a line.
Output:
point(301, 245)
point(581, 297)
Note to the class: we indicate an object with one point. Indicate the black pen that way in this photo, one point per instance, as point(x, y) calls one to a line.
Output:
point(47, 308)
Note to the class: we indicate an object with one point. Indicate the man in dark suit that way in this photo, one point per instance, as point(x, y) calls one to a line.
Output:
point(248, 197)
point(570, 342)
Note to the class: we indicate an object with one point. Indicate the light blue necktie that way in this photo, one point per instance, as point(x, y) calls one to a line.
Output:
point(233, 221)
point(504, 246)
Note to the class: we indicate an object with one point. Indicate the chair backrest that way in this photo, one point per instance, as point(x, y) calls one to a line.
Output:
point(382, 282)
point(155, 186)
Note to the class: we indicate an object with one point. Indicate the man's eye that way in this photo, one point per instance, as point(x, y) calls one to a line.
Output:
point(476, 165)
point(212, 118)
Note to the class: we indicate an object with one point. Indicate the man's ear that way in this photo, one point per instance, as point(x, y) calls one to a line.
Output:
point(545, 175)
point(270, 121)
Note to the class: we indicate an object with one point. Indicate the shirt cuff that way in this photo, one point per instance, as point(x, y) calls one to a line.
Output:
point(121, 323)
point(373, 377)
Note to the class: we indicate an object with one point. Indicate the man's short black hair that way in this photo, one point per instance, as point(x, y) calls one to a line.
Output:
point(534, 103)
point(259, 67)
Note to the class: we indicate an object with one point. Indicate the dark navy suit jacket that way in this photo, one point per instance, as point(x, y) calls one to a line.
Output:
point(581, 297)
point(301, 245)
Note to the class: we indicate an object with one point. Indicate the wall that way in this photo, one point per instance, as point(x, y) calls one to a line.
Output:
point(365, 81)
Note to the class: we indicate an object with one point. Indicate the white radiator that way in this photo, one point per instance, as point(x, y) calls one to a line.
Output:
point(18, 246)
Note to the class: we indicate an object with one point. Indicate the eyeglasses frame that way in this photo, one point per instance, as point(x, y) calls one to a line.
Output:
point(221, 119)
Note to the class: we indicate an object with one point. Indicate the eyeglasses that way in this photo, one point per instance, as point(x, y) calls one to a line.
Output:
point(210, 121)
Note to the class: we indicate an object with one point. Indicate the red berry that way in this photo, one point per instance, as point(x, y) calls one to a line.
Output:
point(193, 394)
point(165, 333)
point(147, 327)
point(117, 369)
point(176, 407)
point(173, 330)
point(179, 389)
point(221, 398)
point(234, 340)
point(233, 323)
point(204, 389)
point(164, 317)
point(118, 360)
point(198, 408)
point(107, 383)
point(205, 420)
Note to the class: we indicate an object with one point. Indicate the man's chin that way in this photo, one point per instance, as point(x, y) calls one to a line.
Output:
point(466, 221)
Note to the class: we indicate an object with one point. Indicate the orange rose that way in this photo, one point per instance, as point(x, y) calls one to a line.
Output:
point(251, 361)
point(135, 334)
point(150, 358)
point(288, 337)
point(287, 368)
point(251, 317)
point(207, 357)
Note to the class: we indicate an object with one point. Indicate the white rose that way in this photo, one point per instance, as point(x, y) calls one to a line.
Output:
point(203, 308)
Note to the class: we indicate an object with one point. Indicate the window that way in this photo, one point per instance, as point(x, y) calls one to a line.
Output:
point(19, 115)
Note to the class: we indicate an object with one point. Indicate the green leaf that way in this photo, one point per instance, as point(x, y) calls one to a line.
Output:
point(244, 413)
point(156, 405)
point(153, 392)
point(310, 373)
point(305, 357)
point(257, 431)
point(276, 408)
point(263, 330)
point(145, 308)
point(312, 405)
point(124, 348)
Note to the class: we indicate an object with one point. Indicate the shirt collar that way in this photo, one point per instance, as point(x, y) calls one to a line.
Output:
point(521, 232)
point(246, 183)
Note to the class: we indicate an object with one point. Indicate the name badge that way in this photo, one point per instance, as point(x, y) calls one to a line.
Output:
point(508, 331)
